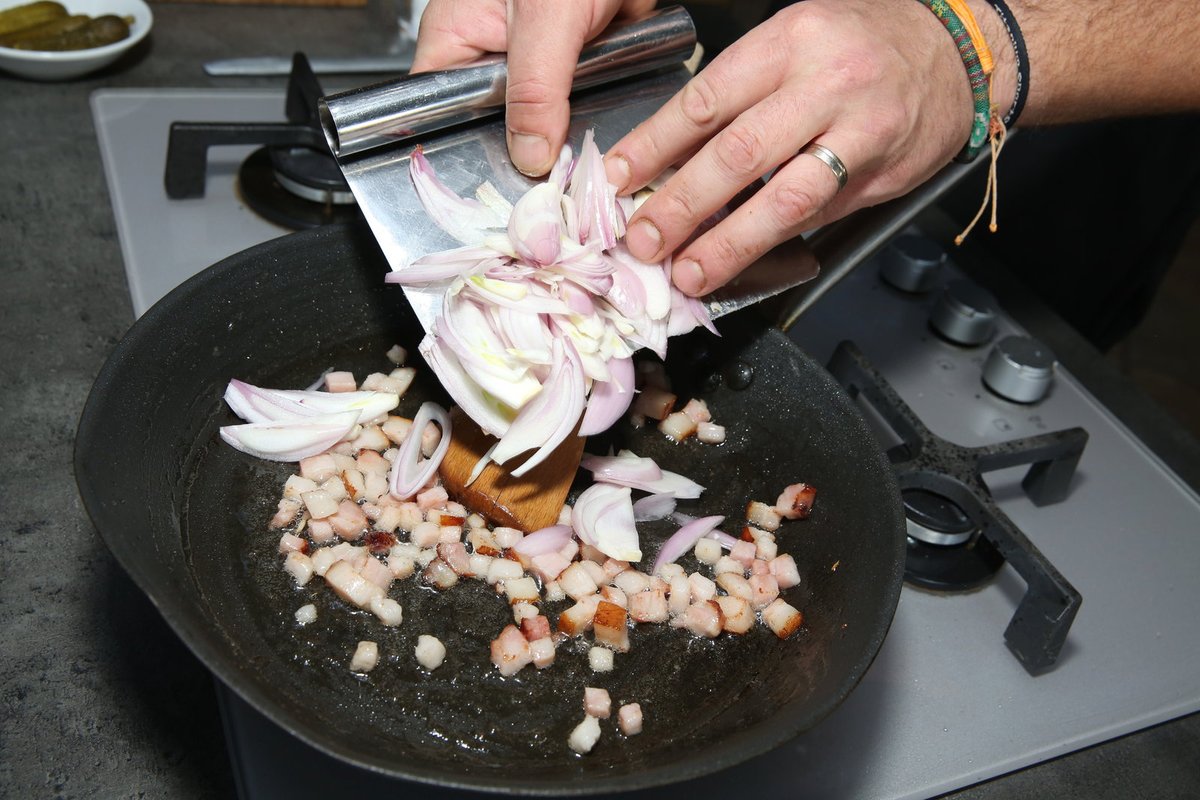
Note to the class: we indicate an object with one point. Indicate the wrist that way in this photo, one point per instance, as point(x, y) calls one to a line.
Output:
point(1003, 80)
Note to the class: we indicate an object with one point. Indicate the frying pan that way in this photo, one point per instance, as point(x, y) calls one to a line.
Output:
point(186, 515)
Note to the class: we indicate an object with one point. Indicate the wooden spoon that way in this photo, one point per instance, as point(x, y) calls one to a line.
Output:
point(528, 503)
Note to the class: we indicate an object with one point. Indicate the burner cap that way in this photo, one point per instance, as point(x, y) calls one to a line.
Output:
point(935, 518)
point(944, 549)
point(310, 174)
point(261, 188)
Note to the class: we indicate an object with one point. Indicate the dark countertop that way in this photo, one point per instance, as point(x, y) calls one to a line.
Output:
point(98, 698)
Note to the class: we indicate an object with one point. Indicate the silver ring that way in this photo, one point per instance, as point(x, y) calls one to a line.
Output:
point(829, 159)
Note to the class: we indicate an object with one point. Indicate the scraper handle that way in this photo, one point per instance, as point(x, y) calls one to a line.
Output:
point(383, 114)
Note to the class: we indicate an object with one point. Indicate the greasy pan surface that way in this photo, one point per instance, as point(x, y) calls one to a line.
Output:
point(186, 516)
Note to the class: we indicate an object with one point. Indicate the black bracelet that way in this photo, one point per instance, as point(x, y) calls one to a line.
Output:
point(1022, 56)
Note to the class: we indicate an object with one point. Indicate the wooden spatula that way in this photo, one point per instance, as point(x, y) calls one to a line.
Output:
point(530, 502)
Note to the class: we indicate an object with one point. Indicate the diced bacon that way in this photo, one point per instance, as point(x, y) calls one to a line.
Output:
point(766, 549)
point(449, 533)
point(743, 552)
point(395, 383)
point(322, 559)
point(388, 519)
point(592, 553)
point(344, 551)
point(291, 543)
point(296, 486)
point(371, 437)
point(479, 565)
point(678, 426)
point(737, 615)
point(759, 567)
point(377, 573)
point(426, 534)
point(343, 462)
point(629, 719)
point(476, 521)
point(318, 468)
point(350, 523)
point(577, 619)
point(432, 498)
point(430, 437)
point(548, 566)
point(455, 554)
point(726, 564)
point(784, 569)
point(430, 651)
point(569, 550)
point(707, 551)
point(615, 596)
point(595, 571)
point(507, 537)
point(710, 432)
point(510, 651)
point(653, 403)
point(542, 651)
point(425, 556)
point(387, 610)
point(576, 581)
point(600, 659)
point(585, 735)
point(609, 626)
point(534, 628)
point(439, 575)
point(614, 567)
point(319, 504)
point(669, 572)
point(703, 619)
point(396, 429)
point(697, 409)
point(679, 595)
point(657, 583)
point(735, 585)
point(369, 462)
point(340, 382)
point(397, 354)
point(503, 569)
point(632, 581)
point(596, 702)
point(401, 566)
point(286, 515)
point(410, 516)
point(552, 592)
point(404, 550)
point(334, 487)
point(523, 611)
point(649, 606)
point(299, 566)
point(482, 541)
point(782, 618)
point(349, 584)
point(701, 587)
point(306, 613)
point(763, 516)
point(765, 589)
point(366, 656)
point(796, 501)
point(521, 590)
point(446, 520)
point(564, 515)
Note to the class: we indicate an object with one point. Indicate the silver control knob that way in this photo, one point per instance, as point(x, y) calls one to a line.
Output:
point(964, 314)
point(912, 263)
point(1020, 369)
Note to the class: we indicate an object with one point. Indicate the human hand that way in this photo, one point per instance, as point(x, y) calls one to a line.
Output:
point(543, 39)
point(878, 82)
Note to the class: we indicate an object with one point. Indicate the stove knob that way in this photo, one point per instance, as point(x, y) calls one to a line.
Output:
point(964, 314)
point(912, 263)
point(1020, 369)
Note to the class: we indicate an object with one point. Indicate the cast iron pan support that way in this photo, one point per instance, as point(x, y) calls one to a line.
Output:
point(924, 461)
point(187, 146)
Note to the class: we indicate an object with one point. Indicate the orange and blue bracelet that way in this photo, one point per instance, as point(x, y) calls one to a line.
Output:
point(978, 71)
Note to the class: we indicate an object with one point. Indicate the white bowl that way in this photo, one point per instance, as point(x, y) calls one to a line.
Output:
point(59, 66)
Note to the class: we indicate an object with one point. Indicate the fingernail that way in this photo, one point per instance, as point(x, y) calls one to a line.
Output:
point(644, 240)
point(688, 276)
point(617, 170)
point(530, 153)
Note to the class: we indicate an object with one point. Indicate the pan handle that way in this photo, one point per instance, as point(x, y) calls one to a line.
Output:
point(374, 116)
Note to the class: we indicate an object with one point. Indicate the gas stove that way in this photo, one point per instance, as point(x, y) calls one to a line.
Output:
point(1088, 555)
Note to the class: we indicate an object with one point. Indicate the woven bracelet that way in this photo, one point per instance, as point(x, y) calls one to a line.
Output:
point(980, 92)
point(1022, 56)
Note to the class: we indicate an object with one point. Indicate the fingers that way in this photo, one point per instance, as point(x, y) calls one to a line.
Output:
point(786, 206)
point(455, 33)
point(544, 40)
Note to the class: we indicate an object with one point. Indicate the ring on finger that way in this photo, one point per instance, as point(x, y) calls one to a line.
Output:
point(829, 159)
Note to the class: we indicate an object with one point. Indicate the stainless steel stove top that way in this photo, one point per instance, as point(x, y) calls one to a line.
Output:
point(945, 705)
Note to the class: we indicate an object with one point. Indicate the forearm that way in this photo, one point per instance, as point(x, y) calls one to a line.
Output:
point(1098, 58)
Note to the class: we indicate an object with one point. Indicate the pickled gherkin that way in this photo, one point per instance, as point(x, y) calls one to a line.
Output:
point(29, 15)
point(46, 30)
point(95, 33)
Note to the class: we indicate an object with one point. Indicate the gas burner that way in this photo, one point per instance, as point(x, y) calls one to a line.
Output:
point(293, 181)
point(958, 536)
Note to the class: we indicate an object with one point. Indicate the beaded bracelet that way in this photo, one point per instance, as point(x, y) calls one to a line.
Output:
point(980, 89)
point(1022, 58)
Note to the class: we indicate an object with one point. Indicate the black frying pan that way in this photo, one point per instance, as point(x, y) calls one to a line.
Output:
point(185, 515)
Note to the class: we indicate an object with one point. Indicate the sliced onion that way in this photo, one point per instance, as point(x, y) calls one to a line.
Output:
point(254, 404)
point(609, 399)
point(653, 506)
point(466, 219)
point(550, 417)
point(546, 540)
point(409, 473)
point(291, 440)
point(683, 540)
point(481, 407)
point(629, 469)
point(370, 405)
point(603, 518)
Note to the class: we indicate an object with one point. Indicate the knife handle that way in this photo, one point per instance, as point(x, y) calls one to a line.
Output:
point(382, 114)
